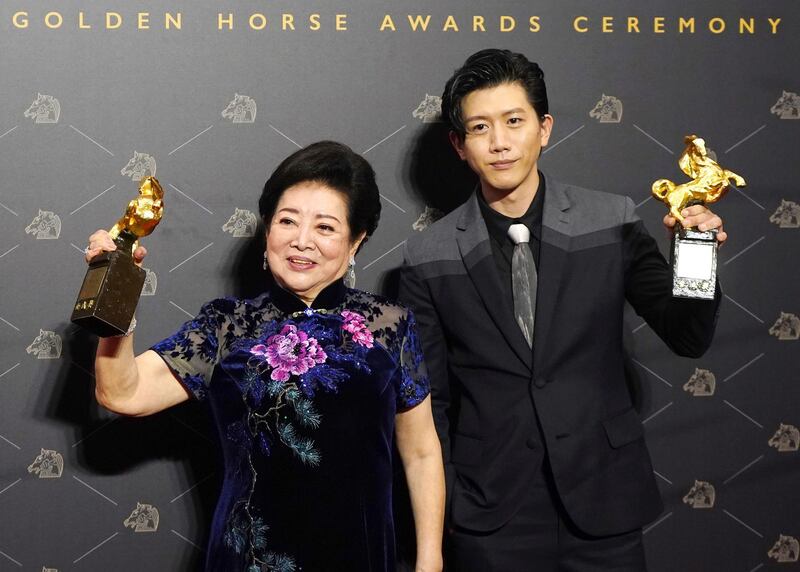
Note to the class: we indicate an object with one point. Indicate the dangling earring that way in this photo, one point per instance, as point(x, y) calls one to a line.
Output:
point(350, 275)
point(265, 266)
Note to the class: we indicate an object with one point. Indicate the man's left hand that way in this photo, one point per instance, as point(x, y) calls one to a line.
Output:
point(700, 217)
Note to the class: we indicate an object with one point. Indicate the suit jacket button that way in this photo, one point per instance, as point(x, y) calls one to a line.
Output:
point(539, 382)
point(531, 443)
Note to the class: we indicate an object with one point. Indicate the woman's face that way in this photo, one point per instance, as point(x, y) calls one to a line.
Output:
point(308, 239)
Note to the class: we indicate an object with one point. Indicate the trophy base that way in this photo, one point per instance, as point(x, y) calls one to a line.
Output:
point(694, 264)
point(109, 294)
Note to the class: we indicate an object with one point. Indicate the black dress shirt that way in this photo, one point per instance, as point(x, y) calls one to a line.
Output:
point(502, 246)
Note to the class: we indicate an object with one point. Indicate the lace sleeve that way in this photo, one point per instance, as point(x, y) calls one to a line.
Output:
point(413, 384)
point(193, 351)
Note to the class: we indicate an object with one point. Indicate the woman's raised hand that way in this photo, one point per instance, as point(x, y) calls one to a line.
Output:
point(100, 241)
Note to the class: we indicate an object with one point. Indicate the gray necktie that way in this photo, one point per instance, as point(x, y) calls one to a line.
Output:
point(523, 280)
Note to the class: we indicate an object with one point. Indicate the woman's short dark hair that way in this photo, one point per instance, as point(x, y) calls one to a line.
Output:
point(490, 68)
point(337, 166)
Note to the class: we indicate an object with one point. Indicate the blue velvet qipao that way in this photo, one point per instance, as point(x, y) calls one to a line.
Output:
point(304, 400)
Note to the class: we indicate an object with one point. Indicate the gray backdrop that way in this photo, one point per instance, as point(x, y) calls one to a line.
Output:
point(110, 95)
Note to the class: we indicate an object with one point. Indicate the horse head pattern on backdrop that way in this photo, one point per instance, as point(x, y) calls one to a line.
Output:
point(45, 225)
point(44, 109)
point(701, 495)
point(429, 109)
point(241, 224)
point(47, 345)
point(144, 518)
point(241, 109)
point(785, 549)
point(787, 215)
point(786, 327)
point(141, 165)
point(787, 106)
point(48, 465)
point(701, 384)
point(607, 110)
point(786, 439)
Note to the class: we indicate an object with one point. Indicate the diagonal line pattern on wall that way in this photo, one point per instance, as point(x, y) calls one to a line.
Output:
point(743, 308)
point(744, 524)
point(192, 256)
point(742, 470)
point(392, 134)
point(2, 319)
point(282, 134)
point(11, 559)
point(650, 371)
point(190, 140)
point(395, 247)
point(9, 131)
point(654, 140)
point(656, 523)
point(91, 488)
point(738, 254)
point(9, 250)
point(92, 199)
point(394, 204)
point(9, 486)
point(95, 548)
point(659, 412)
point(560, 141)
point(103, 426)
point(190, 198)
point(197, 484)
point(745, 366)
point(743, 414)
point(8, 209)
point(735, 145)
point(90, 139)
point(179, 535)
point(181, 309)
point(12, 368)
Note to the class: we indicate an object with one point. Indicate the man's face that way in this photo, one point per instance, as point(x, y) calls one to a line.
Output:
point(504, 137)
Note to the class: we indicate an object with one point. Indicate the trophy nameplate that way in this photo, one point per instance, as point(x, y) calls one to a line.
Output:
point(694, 252)
point(694, 263)
point(113, 283)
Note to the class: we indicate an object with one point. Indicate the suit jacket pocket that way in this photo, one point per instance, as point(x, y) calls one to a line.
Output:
point(624, 428)
point(467, 451)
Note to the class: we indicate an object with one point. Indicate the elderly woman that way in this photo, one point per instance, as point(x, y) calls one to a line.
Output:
point(307, 383)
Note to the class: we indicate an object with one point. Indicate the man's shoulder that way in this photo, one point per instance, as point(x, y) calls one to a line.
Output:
point(583, 196)
point(598, 205)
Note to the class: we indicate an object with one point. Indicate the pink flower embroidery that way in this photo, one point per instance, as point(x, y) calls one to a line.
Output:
point(354, 323)
point(291, 352)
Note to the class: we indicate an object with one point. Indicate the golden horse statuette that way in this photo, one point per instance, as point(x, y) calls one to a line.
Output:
point(709, 181)
point(113, 283)
point(694, 252)
point(143, 213)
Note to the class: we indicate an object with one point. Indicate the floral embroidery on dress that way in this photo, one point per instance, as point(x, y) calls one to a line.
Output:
point(280, 362)
point(292, 352)
point(355, 324)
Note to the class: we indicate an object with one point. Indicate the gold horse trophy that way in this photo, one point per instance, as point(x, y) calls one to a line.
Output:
point(113, 283)
point(694, 252)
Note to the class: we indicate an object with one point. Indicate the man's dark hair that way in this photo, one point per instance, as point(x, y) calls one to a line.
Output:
point(334, 165)
point(490, 68)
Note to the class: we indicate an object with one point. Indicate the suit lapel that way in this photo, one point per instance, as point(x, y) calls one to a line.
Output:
point(476, 252)
point(552, 263)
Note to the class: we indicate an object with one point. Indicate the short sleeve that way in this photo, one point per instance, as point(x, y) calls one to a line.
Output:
point(193, 351)
point(413, 383)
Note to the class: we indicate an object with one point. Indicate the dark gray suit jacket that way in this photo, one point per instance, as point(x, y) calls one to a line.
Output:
point(488, 387)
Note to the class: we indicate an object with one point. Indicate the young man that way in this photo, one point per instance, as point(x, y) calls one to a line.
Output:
point(545, 457)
